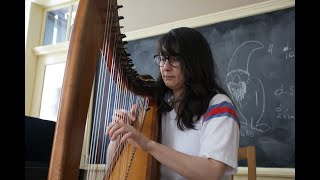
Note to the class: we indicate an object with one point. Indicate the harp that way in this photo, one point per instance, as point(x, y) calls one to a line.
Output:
point(96, 41)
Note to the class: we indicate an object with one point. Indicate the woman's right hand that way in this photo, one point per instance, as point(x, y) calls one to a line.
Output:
point(122, 124)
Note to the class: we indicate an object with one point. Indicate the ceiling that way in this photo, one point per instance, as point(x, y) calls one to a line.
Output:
point(141, 14)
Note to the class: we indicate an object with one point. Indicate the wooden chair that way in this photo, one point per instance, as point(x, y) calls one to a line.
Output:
point(248, 153)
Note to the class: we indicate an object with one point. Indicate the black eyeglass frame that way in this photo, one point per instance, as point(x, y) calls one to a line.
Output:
point(167, 58)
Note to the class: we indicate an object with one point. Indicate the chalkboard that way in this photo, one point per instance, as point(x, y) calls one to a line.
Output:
point(256, 61)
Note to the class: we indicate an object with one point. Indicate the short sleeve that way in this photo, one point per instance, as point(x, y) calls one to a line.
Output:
point(220, 128)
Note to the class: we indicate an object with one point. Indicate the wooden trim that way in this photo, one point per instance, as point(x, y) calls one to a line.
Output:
point(51, 3)
point(269, 172)
point(51, 49)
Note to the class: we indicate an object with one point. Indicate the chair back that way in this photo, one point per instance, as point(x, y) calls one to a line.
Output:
point(248, 153)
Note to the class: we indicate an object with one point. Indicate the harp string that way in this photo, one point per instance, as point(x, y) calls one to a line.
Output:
point(102, 97)
point(111, 93)
point(99, 116)
point(121, 173)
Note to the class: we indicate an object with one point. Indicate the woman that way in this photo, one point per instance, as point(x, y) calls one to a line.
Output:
point(200, 127)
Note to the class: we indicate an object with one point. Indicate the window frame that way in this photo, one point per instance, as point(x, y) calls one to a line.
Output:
point(42, 62)
point(48, 55)
point(44, 19)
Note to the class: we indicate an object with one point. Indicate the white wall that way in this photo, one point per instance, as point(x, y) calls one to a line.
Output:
point(148, 13)
point(141, 14)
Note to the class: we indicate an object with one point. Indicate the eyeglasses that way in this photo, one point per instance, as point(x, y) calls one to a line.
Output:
point(161, 60)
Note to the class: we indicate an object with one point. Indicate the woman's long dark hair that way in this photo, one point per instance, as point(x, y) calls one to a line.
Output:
point(199, 69)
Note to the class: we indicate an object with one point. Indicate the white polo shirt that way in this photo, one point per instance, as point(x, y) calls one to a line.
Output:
point(216, 136)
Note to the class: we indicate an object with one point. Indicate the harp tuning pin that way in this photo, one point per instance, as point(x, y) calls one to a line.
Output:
point(124, 42)
point(119, 6)
point(122, 36)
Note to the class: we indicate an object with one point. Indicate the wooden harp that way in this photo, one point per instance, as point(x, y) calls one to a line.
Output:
point(96, 33)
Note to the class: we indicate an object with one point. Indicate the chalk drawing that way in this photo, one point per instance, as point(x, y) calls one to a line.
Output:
point(242, 86)
point(290, 54)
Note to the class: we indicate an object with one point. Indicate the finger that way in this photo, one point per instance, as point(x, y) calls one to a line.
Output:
point(126, 136)
point(125, 116)
point(113, 128)
point(119, 115)
point(119, 112)
point(115, 116)
point(133, 112)
point(117, 132)
point(118, 120)
point(109, 128)
point(116, 113)
point(122, 115)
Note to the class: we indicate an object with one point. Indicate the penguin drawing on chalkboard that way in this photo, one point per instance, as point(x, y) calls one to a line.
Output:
point(247, 91)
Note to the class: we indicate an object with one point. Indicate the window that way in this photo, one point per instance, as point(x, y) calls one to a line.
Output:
point(51, 91)
point(73, 15)
point(58, 25)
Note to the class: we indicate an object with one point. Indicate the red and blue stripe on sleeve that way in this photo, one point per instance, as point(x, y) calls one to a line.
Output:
point(222, 109)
